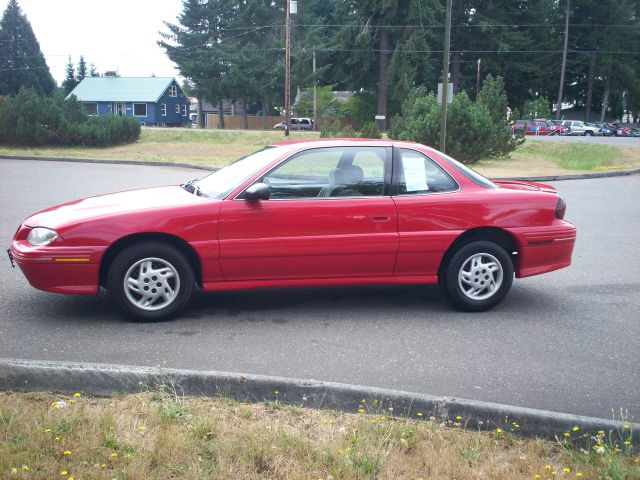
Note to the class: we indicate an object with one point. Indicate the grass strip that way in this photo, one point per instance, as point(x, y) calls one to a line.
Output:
point(161, 434)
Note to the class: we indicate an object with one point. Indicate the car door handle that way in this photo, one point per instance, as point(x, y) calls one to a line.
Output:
point(381, 218)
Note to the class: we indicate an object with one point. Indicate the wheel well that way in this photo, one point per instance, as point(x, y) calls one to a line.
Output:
point(129, 240)
point(492, 234)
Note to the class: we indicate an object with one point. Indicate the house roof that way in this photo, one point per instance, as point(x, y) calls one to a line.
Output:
point(121, 89)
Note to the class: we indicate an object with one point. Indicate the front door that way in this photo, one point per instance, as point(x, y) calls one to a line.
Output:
point(329, 216)
point(119, 109)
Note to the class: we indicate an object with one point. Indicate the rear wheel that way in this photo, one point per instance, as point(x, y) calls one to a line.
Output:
point(150, 281)
point(478, 276)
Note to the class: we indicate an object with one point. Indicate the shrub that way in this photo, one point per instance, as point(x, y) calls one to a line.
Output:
point(29, 119)
point(335, 130)
point(469, 126)
point(493, 97)
point(370, 130)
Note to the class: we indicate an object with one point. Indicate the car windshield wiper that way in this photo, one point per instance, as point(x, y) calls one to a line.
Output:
point(191, 187)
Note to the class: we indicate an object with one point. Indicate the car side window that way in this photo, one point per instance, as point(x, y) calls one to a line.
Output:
point(419, 175)
point(329, 172)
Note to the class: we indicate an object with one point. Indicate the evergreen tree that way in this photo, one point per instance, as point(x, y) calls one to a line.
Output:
point(82, 69)
point(92, 71)
point(69, 82)
point(22, 63)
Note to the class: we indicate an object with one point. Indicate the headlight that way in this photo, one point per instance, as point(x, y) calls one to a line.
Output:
point(41, 236)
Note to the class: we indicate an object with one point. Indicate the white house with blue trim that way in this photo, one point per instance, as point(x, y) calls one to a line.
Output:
point(152, 100)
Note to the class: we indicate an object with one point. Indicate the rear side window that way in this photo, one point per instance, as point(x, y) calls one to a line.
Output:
point(419, 175)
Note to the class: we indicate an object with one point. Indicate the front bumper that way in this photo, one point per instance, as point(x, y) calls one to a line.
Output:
point(58, 269)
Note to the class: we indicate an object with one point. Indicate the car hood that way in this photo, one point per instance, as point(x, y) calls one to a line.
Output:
point(112, 204)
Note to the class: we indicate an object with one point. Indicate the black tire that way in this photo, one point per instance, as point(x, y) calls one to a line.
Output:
point(453, 285)
point(588, 133)
point(163, 268)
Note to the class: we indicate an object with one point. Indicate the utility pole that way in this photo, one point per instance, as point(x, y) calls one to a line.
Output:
point(564, 63)
point(478, 80)
point(287, 71)
point(445, 80)
point(315, 93)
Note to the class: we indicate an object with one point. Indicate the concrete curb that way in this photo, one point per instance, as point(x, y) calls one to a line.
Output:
point(105, 380)
point(548, 178)
point(109, 162)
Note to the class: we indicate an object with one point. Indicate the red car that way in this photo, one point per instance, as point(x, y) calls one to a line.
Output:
point(539, 126)
point(328, 212)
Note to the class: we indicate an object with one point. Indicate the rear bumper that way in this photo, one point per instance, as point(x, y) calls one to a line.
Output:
point(59, 269)
point(544, 249)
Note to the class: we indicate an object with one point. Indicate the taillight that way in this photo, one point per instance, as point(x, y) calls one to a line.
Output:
point(561, 207)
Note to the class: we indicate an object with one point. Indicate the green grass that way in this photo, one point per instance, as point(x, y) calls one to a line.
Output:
point(220, 147)
point(573, 156)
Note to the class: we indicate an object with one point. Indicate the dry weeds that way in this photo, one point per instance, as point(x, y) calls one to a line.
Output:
point(162, 435)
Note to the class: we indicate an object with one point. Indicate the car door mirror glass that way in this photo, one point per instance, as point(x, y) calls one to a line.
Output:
point(257, 191)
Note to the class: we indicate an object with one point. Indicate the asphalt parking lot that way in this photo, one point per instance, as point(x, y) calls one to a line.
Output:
point(567, 341)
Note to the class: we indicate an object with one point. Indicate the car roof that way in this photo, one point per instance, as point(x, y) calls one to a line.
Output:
point(335, 142)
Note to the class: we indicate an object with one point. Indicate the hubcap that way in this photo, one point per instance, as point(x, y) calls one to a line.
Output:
point(151, 284)
point(480, 276)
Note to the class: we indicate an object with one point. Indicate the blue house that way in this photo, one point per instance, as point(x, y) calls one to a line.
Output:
point(152, 100)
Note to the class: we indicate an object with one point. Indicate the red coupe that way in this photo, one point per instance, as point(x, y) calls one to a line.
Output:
point(320, 212)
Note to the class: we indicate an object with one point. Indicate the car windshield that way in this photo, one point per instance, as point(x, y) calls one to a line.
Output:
point(221, 183)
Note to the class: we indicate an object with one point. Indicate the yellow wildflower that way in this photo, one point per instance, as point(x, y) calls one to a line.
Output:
point(554, 473)
point(625, 426)
point(536, 476)
point(67, 452)
point(114, 454)
point(566, 470)
point(627, 442)
point(25, 467)
point(567, 434)
point(578, 474)
point(104, 465)
point(547, 467)
point(419, 414)
point(76, 394)
point(14, 470)
point(499, 430)
point(458, 417)
point(63, 473)
point(277, 392)
point(361, 410)
point(600, 432)
point(58, 439)
point(575, 429)
point(47, 430)
point(141, 427)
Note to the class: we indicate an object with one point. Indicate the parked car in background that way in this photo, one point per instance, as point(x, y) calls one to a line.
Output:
point(303, 213)
point(296, 124)
point(635, 132)
point(619, 130)
point(578, 127)
point(605, 130)
point(539, 126)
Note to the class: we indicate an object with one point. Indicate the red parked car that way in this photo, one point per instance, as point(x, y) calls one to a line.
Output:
point(328, 212)
point(539, 126)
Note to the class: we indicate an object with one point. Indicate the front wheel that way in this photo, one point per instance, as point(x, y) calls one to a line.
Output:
point(478, 276)
point(150, 281)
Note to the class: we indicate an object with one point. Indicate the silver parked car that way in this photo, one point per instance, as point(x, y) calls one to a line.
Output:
point(297, 124)
point(578, 127)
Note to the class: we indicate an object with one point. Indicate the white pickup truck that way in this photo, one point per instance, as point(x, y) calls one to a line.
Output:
point(578, 127)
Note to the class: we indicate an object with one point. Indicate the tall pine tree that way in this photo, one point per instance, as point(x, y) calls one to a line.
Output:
point(69, 82)
point(82, 69)
point(22, 63)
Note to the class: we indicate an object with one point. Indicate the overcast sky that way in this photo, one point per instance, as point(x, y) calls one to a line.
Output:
point(113, 34)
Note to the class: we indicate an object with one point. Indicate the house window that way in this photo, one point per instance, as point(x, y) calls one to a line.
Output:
point(139, 109)
point(173, 91)
point(163, 109)
point(90, 108)
point(177, 108)
point(184, 110)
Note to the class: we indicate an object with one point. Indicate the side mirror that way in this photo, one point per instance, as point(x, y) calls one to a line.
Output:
point(257, 191)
